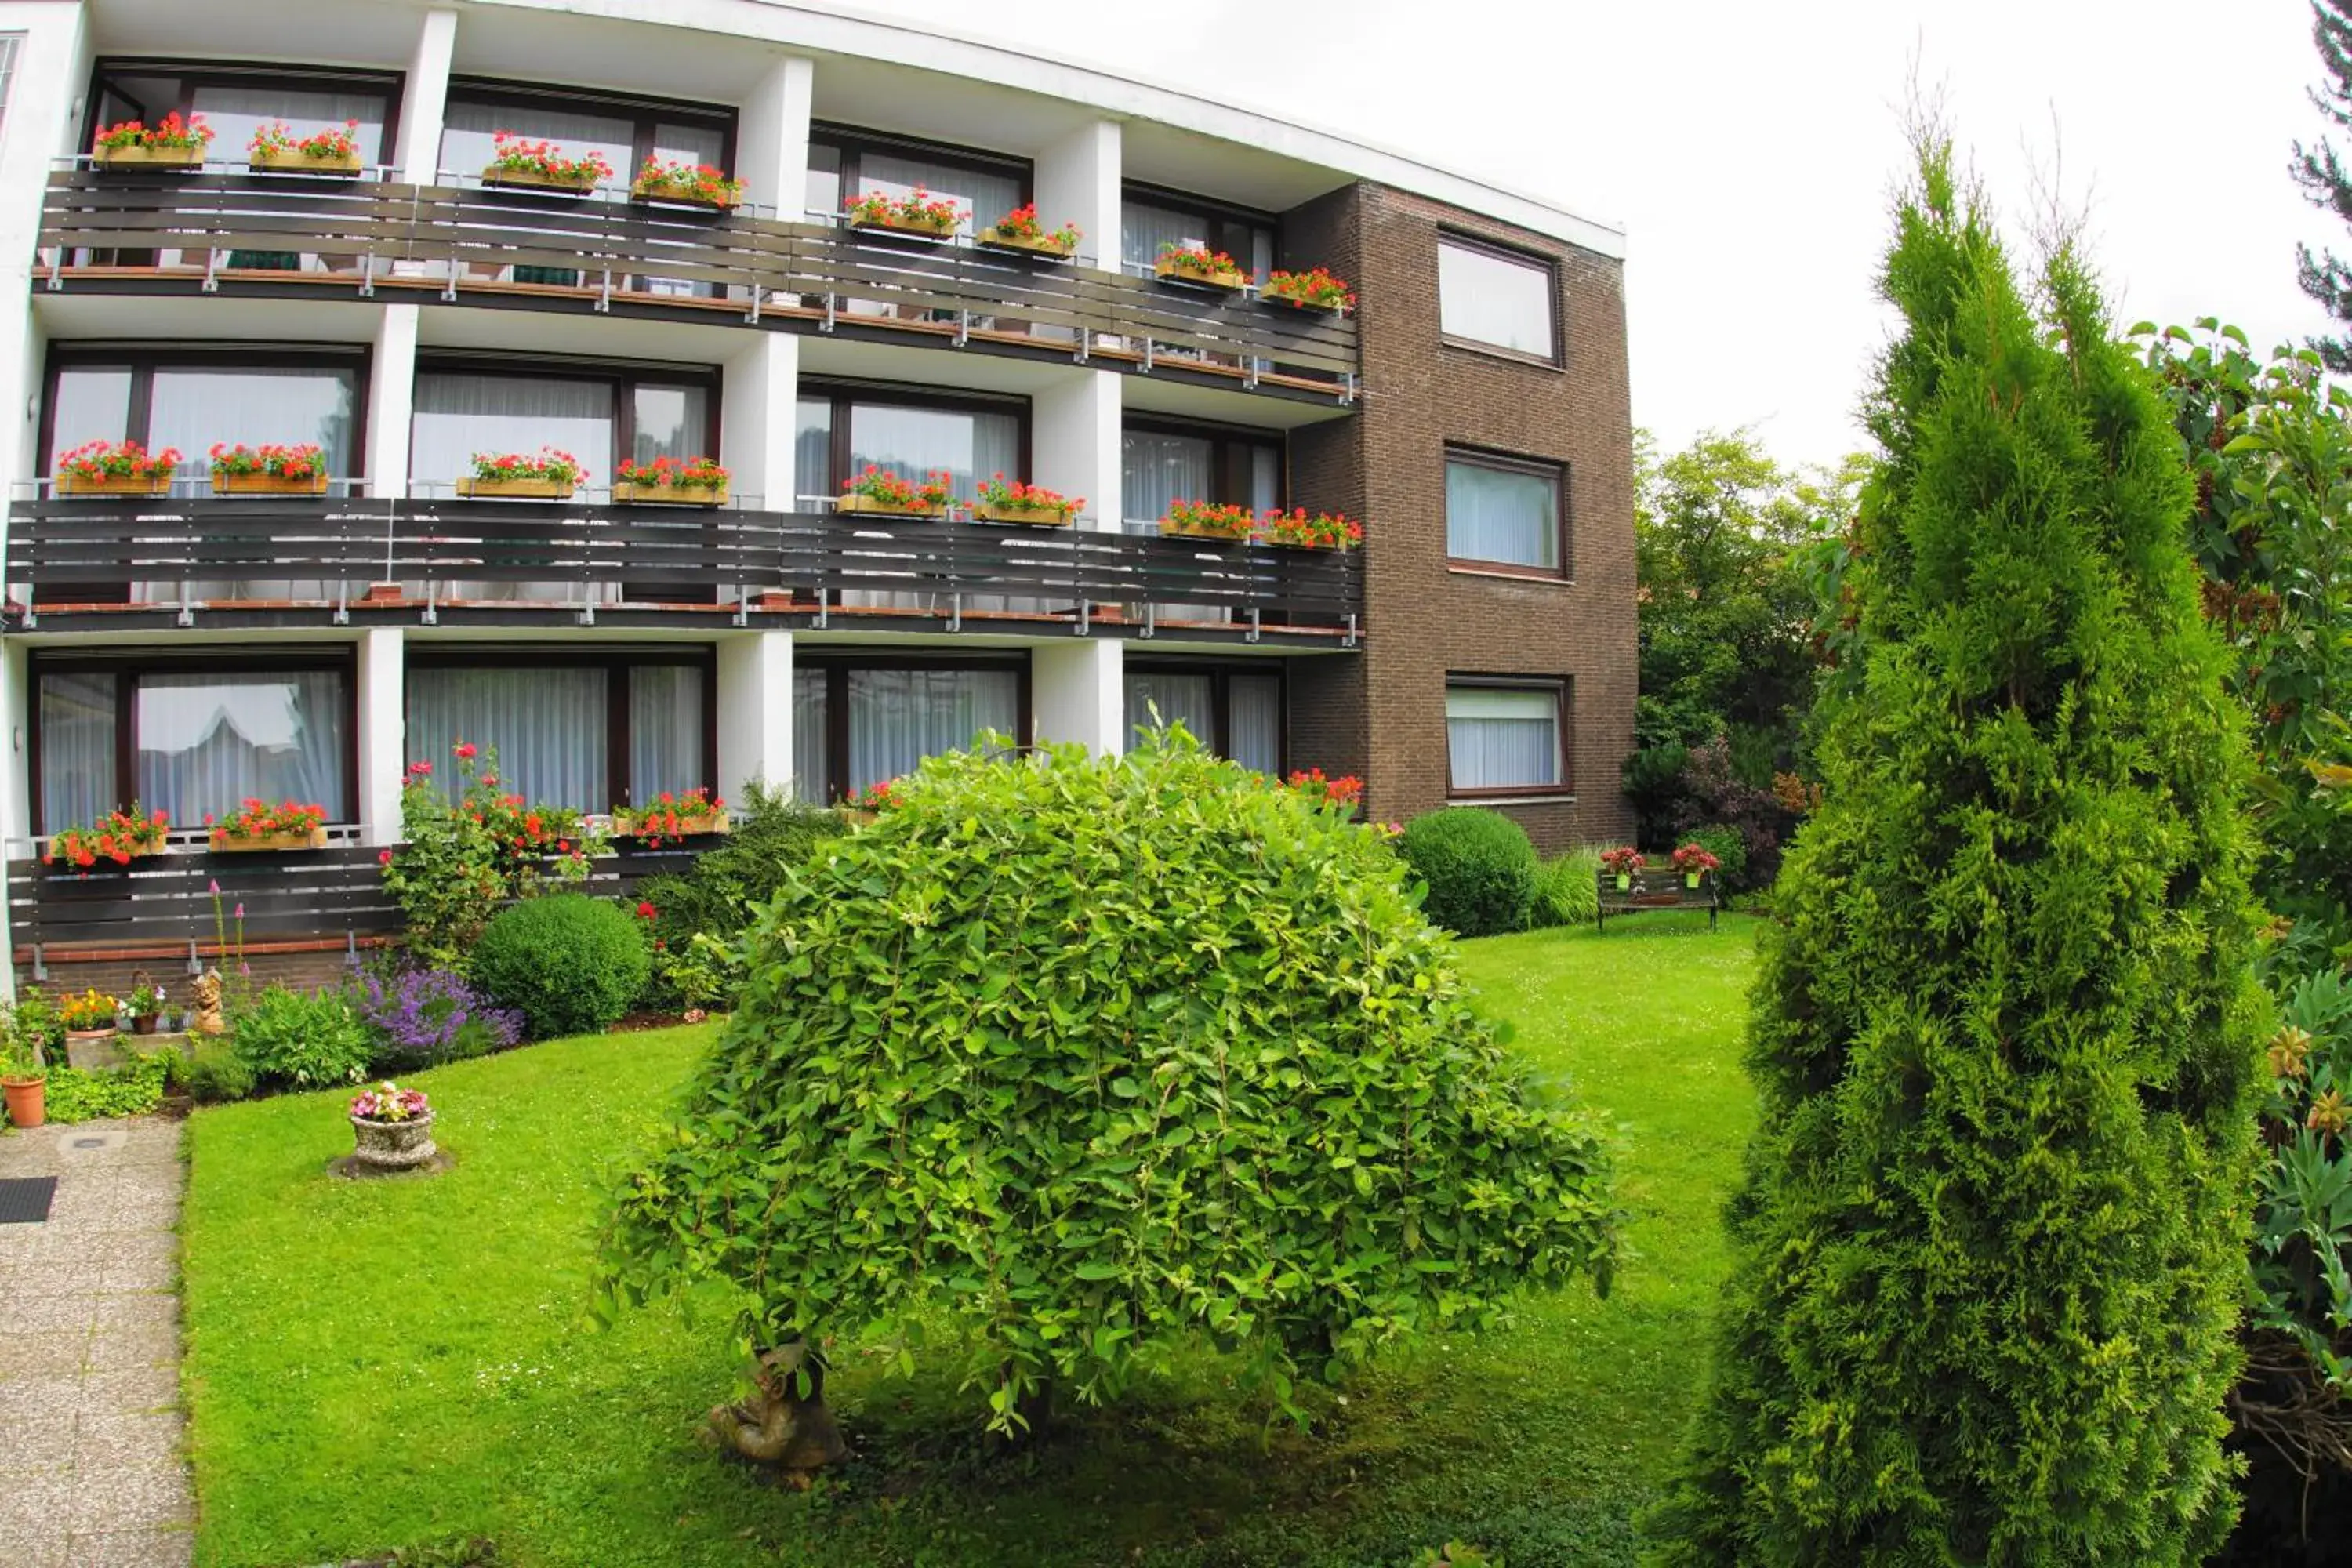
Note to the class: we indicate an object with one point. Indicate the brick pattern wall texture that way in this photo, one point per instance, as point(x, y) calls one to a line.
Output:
point(1423, 619)
point(311, 971)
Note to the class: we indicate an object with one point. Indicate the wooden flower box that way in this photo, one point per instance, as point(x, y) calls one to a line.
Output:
point(149, 157)
point(856, 503)
point(1025, 517)
point(136, 851)
point(1170, 270)
point(266, 485)
point(300, 163)
point(1278, 542)
point(710, 824)
point(517, 489)
point(1292, 302)
point(627, 494)
point(114, 485)
point(1042, 246)
point(299, 838)
point(924, 231)
point(532, 180)
point(1170, 529)
point(671, 195)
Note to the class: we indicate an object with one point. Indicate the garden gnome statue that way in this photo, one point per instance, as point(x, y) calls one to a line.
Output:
point(776, 1425)
point(209, 1007)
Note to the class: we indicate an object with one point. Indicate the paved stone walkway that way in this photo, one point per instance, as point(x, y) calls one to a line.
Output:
point(91, 1469)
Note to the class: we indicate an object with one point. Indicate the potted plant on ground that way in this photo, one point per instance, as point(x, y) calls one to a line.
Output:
point(120, 836)
point(171, 142)
point(1208, 519)
point(686, 184)
point(1020, 230)
point(392, 1128)
point(332, 151)
point(917, 212)
point(671, 481)
point(1299, 529)
point(1010, 500)
point(23, 1080)
point(91, 1027)
point(145, 1003)
point(517, 161)
point(115, 469)
point(260, 825)
point(672, 816)
point(881, 491)
point(243, 470)
point(1695, 862)
point(1198, 264)
point(549, 475)
point(1624, 865)
point(1315, 289)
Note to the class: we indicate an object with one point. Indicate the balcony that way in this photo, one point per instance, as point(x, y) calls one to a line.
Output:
point(105, 562)
point(305, 236)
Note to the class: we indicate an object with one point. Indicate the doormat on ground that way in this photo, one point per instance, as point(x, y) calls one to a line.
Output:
point(24, 1200)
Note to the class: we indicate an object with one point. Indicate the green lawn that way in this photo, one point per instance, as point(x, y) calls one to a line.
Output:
point(371, 1364)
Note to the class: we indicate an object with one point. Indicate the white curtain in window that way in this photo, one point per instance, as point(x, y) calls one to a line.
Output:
point(811, 761)
point(813, 480)
point(985, 196)
point(671, 421)
point(898, 717)
point(1144, 227)
point(665, 708)
point(1189, 701)
point(1490, 299)
point(913, 442)
point(77, 749)
point(236, 112)
point(1501, 515)
point(459, 413)
point(1256, 721)
point(197, 405)
point(92, 404)
point(1156, 469)
point(469, 134)
point(548, 725)
point(207, 742)
point(1497, 738)
point(821, 191)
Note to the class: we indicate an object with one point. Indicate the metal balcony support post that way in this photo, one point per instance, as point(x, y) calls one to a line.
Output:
point(57, 269)
point(955, 611)
point(963, 327)
point(1351, 629)
point(449, 288)
point(351, 947)
point(41, 969)
point(367, 275)
point(743, 605)
point(343, 601)
point(827, 325)
point(1150, 619)
point(432, 616)
point(187, 615)
point(212, 270)
point(823, 607)
point(1147, 354)
point(1254, 624)
point(604, 300)
point(1086, 622)
point(1249, 372)
point(1348, 393)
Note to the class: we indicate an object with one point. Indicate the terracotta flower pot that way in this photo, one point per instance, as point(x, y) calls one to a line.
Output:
point(394, 1145)
point(143, 1023)
point(29, 1101)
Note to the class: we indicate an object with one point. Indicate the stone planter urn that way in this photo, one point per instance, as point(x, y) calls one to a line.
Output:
point(394, 1145)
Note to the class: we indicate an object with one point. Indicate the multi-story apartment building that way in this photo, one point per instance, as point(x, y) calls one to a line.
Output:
point(189, 648)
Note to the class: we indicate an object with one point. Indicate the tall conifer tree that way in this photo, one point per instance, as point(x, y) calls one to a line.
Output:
point(1990, 1242)
point(2325, 179)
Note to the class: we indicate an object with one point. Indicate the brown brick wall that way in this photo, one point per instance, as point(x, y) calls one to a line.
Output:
point(1386, 465)
point(116, 976)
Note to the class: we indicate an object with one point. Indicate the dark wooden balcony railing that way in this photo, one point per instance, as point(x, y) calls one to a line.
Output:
point(119, 228)
point(208, 551)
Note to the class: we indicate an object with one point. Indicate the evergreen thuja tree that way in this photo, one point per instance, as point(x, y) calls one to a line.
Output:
point(1990, 1241)
point(2325, 180)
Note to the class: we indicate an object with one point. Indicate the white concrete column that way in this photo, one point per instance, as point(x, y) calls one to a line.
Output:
point(1073, 443)
point(1078, 181)
point(392, 398)
point(755, 711)
point(772, 136)
point(425, 99)
point(15, 783)
point(1077, 692)
point(383, 732)
point(760, 384)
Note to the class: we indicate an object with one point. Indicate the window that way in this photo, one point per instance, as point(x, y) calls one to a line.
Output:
point(842, 430)
point(8, 45)
point(1149, 218)
point(237, 99)
point(600, 414)
point(1504, 738)
point(590, 733)
point(627, 130)
point(1506, 512)
point(1164, 462)
point(1498, 298)
point(1236, 713)
point(192, 739)
point(861, 722)
point(192, 400)
point(844, 162)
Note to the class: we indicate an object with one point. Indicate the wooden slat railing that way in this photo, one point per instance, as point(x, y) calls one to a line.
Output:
point(450, 242)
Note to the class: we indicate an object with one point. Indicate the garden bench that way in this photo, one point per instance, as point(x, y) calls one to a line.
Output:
point(1656, 888)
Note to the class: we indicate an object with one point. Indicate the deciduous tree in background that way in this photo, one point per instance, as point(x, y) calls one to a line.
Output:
point(2325, 180)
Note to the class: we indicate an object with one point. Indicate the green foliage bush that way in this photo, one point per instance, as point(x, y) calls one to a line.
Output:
point(215, 1072)
point(134, 1088)
point(464, 858)
point(1479, 868)
point(1728, 845)
point(1568, 890)
point(771, 832)
point(569, 964)
point(1990, 1247)
point(990, 1085)
point(301, 1039)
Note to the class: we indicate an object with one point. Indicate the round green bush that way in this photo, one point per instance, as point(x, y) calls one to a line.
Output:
point(1728, 845)
point(1479, 867)
point(570, 965)
point(1067, 1062)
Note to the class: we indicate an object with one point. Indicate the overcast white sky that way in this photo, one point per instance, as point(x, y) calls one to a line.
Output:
point(1748, 149)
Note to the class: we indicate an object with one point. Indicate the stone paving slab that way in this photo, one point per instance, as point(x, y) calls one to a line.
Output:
point(93, 1462)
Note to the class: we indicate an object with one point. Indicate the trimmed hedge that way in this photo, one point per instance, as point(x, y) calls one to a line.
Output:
point(570, 965)
point(1479, 868)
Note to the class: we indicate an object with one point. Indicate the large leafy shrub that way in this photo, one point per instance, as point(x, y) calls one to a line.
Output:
point(301, 1039)
point(1478, 865)
point(569, 964)
point(988, 1076)
point(772, 832)
point(134, 1088)
point(421, 1017)
point(1989, 1245)
point(213, 1072)
point(471, 849)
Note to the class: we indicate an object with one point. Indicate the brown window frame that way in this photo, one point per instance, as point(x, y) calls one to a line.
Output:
point(624, 376)
point(1547, 265)
point(646, 111)
point(127, 667)
point(616, 661)
point(143, 359)
point(837, 665)
point(240, 73)
point(1221, 673)
point(1232, 226)
point(1563, 521)
point(1227, 444)
point(842, 392)
point(1561, 689)
point(850, 142)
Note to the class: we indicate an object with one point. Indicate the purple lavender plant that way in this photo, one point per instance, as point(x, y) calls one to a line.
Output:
point(421, 1016)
